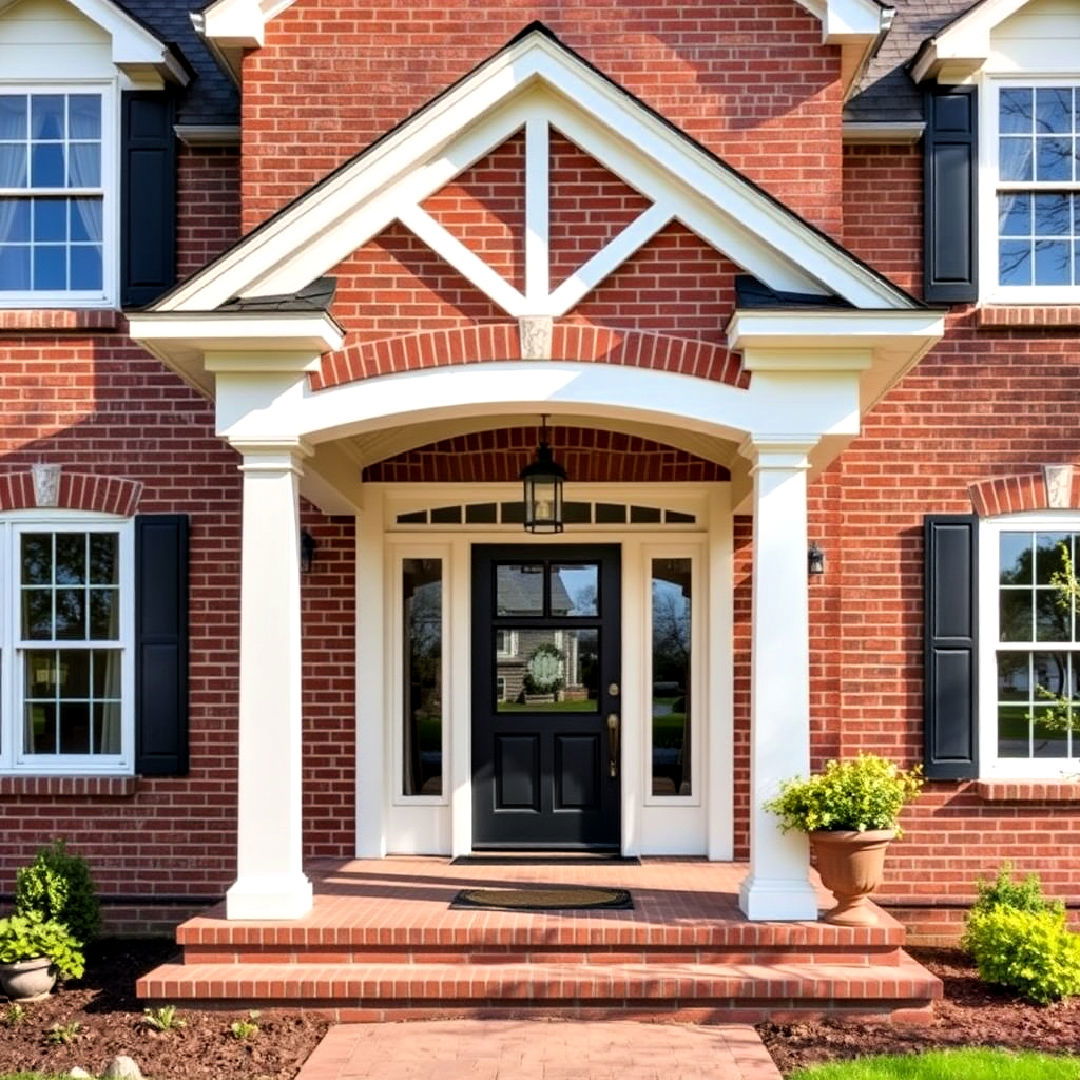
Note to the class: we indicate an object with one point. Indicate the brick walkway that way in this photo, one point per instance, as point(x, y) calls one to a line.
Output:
point(539, 1050)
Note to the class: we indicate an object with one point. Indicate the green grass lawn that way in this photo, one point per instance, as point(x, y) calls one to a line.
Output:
point(970, 1064)
point(566, 705)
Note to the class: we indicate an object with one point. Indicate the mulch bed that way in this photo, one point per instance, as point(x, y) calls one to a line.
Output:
point(971, 1014)
point(109, 1016)
point(104, 1005)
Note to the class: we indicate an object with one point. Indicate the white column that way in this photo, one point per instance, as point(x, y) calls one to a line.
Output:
point(778, 885)
point(270, 882)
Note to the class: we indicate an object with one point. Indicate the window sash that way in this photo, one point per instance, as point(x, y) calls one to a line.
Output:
point(993, 763)
point(1033, 251)
point(14, 757)
point(106, 191)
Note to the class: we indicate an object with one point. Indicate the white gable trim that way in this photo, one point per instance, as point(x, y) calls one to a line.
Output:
point(533, 79)
point(963, 47)
point(135, 50)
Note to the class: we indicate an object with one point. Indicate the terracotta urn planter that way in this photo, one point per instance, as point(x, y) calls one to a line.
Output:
point(27, 980)
point(851, 865)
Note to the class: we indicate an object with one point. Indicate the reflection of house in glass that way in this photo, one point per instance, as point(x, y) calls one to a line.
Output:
point(545, 669)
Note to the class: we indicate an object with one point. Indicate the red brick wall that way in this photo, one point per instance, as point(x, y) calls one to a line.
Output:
point(982, 404)
point(588, 455)
point(94, 403)
point(750, 80)
point(208, 205)
point(883, 210)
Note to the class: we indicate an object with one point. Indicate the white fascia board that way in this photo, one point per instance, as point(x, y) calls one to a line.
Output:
point(766, 328)
point(845, 20)
point(231, 24)
point(962, 48)
point(461, 126)
point(855, 22)
point(257, 332)
point(253, 344)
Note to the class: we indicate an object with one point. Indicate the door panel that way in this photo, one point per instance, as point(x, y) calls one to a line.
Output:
point(545, 681)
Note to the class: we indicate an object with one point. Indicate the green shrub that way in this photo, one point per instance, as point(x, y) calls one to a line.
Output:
point(860, 794)
point(59, 886)
point(28, 937)
point(1031, 952)
point(1026, 895)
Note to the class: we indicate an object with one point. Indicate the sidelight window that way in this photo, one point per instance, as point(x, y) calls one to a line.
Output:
point(671, 682)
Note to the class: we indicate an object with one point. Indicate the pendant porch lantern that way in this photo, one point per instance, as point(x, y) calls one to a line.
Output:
point(542, 489)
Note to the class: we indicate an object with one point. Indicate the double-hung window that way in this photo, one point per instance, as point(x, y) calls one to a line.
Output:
point(1036, 147)
point(1030, 660)
point(65, 650)
point(57, 194)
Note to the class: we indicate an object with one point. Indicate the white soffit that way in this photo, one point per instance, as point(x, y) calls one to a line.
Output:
point(961, 49)
point(534, 84)
point(135, 50)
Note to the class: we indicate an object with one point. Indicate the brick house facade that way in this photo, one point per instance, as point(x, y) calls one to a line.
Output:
point(693, 231)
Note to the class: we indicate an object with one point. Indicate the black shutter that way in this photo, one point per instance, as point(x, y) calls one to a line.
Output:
point(161, 644)
point(951, 748)
point(147, 196)
point(950, 192)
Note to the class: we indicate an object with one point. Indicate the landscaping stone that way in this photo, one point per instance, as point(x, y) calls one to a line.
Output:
point(122, 1068)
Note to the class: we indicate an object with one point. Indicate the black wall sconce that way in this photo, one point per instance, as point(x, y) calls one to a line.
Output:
point(815, 561)
point(307, 551)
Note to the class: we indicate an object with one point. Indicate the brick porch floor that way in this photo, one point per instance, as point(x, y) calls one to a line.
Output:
point(381, 942)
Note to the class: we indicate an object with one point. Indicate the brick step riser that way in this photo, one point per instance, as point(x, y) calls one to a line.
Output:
point(719, 1011)
point(888, 956)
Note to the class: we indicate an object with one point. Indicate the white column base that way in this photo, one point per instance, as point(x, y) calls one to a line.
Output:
point(269, 896)
point(772, 899)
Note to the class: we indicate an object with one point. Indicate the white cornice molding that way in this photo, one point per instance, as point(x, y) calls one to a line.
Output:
point(962, 48)
point(197, 344)
point(136, 50)
point(534, 78)
point(883, 132)
point(208, 135)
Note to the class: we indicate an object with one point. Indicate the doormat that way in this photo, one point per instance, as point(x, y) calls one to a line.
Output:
point(557, 898)
point(546, 858)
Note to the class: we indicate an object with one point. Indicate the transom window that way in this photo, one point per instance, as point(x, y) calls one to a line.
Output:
point(1036, 661)
point(65, 654)
point(54, 150)
point(1038, 189)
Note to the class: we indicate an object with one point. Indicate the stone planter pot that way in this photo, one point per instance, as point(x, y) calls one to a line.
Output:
point(27, 980)
point(851, 865)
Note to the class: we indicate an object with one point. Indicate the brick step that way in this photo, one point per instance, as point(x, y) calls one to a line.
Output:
point(723, 991)
point(485, 953)
point(538, 933)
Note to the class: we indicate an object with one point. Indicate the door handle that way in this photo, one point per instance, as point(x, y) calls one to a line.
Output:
point(613, 743)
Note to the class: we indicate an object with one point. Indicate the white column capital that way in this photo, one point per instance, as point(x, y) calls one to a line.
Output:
point(778, 451)
point(272, 455)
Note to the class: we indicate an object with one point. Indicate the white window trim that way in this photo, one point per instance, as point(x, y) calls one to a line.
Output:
point(991, 292)
point(700, 706)
point(108, 295)
point(12, 760)
point(396, 671)
point(992, 767)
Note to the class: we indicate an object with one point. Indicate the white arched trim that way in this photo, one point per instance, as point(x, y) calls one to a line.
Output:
point(823, 402)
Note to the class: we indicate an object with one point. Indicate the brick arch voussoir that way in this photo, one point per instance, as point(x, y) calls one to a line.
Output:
point(73, 491)
point(577, 342)
point(1021, 492)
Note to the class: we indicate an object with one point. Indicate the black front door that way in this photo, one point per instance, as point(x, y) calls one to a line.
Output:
point(545, 722)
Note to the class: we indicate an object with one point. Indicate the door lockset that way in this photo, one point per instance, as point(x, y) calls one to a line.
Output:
point(613, 689)
point(613, 743)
